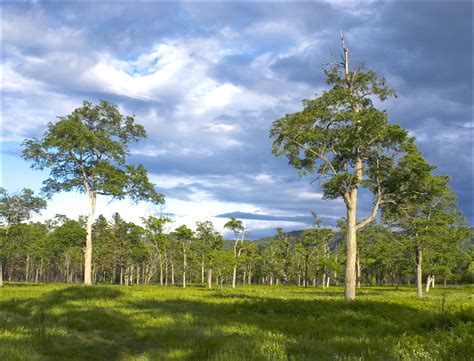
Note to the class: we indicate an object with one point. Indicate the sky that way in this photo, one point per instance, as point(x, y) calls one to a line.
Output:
point(207, 80)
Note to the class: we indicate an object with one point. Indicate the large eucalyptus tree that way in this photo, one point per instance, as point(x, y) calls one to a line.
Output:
point(349, 143)
point(86, 151)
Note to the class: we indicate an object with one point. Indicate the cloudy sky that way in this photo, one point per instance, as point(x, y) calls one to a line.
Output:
point(208, 79)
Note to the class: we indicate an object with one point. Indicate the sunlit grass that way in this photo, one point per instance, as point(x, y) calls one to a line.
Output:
point(58, 322)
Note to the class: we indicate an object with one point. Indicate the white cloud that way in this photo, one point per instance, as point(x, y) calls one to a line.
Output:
point(264, 178)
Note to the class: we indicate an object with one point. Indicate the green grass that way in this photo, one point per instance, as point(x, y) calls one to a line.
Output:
point(59, 322)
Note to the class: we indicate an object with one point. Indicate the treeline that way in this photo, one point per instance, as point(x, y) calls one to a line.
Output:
point(126, 253)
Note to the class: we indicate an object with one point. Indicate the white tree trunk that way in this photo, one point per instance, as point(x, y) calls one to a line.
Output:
point(419, 273)
point(428, 284)
point(88, 249)
point(202, 270)
point(358, 272)
point(184, 269)
point(209, 278)
point(351, 234)
point(234, 276)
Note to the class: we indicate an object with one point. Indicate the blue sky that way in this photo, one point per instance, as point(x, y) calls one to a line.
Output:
point(208, 79)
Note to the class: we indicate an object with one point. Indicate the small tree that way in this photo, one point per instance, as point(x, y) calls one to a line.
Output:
point(429, 216)
point(85, 151)
point(156, 236)
point(350, 144)
point(185, 236)
point(238, 229)
point(16, 208)
point(210, 242)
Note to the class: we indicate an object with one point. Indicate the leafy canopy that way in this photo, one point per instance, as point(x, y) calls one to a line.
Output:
point(341, 136)
point(86, 152)
point(18, 207)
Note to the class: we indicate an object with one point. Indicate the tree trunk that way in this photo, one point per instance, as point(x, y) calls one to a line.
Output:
point(351, 234)
point(419, 272)
point(306, 271)
point(161, 271)
point(358, 271)
point(27, 268)
point(67, 268)
point(202, 270)
point(184, 269)
point(324, 279)
point(234, 276)
point(88, 250)
point(209, 278)
point(428, 284)
point(172, 273)
point(433, 281)
point(327, 281)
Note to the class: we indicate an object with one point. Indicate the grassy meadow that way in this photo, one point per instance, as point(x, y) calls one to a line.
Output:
point(61, 322)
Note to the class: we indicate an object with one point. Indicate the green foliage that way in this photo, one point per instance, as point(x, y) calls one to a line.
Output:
point(340, 127)
point(86, 151)
point(19, 207)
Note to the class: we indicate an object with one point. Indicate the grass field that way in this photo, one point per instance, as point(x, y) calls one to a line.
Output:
point(59, 322)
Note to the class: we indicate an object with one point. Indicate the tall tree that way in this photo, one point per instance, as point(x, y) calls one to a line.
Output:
point(211, 242)
point(238, 229)
point(350, 144)
point(157, 238)
point(86, 151)
point(184, 236)
point(429, 216)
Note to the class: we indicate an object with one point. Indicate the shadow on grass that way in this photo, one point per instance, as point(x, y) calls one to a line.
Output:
point(104, 323)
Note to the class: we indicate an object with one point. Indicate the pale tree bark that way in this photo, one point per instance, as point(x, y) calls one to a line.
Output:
point(161, 270)
point(27, 270)
point(350, 280)
point(202, 270)
point(419, 272)
point(236, 257)
point(358, 271)
point(185, 265)
point(88, 249)
point(172, 272)
point(428, 284)
point(209, 278)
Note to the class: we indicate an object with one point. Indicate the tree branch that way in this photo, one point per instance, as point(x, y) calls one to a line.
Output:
point(372, 215)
